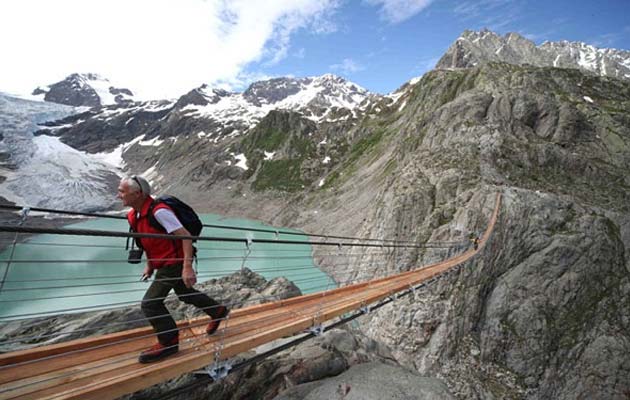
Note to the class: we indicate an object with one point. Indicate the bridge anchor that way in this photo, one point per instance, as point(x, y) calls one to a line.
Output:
point(316, 330)
point(219, 370)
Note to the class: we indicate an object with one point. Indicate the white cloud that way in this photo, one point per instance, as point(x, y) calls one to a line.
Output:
point(301, 53)
point(158, 48)
point(475, 9)
point(495, 15)
point(347, 66)
point(396, 11)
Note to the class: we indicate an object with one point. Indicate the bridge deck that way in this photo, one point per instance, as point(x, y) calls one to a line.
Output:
point(106, 367)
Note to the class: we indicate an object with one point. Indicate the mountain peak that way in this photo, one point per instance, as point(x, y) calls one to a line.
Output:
point(318, 98)
point(84, 89)
point(475, 47)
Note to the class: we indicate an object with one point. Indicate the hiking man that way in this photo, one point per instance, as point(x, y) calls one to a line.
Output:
point(172, 262)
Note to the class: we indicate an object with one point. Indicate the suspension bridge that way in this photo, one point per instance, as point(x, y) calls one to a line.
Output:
point(106, 366)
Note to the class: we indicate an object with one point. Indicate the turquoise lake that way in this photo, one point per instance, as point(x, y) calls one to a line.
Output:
point(52, 274)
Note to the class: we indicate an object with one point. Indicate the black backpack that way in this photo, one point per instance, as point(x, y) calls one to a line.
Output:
point(184, 213)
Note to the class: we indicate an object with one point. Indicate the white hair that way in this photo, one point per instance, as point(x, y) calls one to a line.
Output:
point(139, 184)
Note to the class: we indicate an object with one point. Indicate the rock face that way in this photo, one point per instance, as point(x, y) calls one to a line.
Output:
point(311, 367)
point(473, 48)
point(532, 316)
point(371, 381)
point(85, 90)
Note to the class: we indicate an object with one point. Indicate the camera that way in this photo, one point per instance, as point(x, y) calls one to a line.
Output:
point(135, 256)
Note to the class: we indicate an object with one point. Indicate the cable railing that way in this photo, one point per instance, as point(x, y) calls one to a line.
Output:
point(226, 227)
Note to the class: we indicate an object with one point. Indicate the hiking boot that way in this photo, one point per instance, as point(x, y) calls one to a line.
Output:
point(222, 312)
point(159, 351)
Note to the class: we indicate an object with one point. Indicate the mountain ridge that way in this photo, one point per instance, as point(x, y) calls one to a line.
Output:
point(473, 47)
point(84, 90)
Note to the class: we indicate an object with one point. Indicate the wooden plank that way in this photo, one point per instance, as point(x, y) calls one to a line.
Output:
point(283, 314)
point(172, 368)
point(20, 356)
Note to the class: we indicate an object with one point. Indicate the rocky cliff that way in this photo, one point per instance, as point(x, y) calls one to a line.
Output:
point(543, 312)
point(473, 48)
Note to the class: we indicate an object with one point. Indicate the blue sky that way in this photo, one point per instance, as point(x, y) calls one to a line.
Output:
point(381, 54)
point(164, 48)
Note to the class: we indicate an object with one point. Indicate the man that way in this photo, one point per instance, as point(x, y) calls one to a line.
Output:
point(172, 261)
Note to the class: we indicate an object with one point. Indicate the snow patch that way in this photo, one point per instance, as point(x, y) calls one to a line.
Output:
point(114, 157)
point(151, 142)
point(241, 161)
point(321, 182)
point(588, 99)
point(326, 160)
point(415, 80)
point(151, 175)
point(269, 155)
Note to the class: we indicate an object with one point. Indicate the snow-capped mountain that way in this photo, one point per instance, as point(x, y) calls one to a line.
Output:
point(90, 90)
point(42, 171)
point(213, 114)
point(317, 98)
point(472, 48)
point(213, 123)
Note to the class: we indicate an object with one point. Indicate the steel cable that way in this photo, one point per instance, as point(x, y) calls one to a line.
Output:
point(227, 227)
point(256, 299)
point(212, 272)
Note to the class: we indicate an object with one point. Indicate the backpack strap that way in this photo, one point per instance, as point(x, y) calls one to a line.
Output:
point(151, 216)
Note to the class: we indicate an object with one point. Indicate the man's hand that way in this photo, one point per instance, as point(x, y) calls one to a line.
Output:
point(146, 274)
point(188, 274)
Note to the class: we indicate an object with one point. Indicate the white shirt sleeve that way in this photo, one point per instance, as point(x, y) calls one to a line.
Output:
point(167, 219)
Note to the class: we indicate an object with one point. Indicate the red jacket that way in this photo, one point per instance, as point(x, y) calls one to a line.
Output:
point(160, 252)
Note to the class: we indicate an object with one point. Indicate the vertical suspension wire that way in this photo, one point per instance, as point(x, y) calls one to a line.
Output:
point(24, 216)
point(220, 344)
point(248, 251)
point(317, 317)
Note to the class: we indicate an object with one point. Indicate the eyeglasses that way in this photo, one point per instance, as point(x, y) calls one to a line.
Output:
point(135, 179)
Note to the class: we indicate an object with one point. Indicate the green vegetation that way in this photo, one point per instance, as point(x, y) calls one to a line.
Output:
point(286, 174)
point(331, 179)
point(302, 147)
point(265, 139)
point(365, 145)
point(281, 175)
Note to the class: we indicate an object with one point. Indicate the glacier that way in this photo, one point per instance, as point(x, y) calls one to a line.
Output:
point(41, 171)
